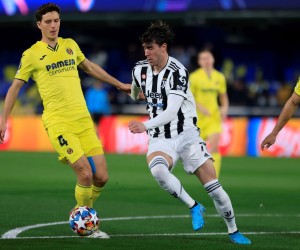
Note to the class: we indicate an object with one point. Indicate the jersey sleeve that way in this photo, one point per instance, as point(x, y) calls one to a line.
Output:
point(180, 83)
point(79, 54)
point(135, 87)
point(297, 88)
point(223, 87)
point(26, 67)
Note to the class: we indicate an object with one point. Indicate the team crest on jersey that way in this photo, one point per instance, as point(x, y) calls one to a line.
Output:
point(144, 76)
point(183, 80)
point(69, 51)
point(69, 151)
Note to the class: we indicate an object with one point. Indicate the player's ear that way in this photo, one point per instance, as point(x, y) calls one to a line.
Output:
point(38, 24)
point(165, 46)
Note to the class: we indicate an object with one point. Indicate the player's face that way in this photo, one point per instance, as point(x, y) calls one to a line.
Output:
point(206, 60)
point(154, 53)
point(49, 25)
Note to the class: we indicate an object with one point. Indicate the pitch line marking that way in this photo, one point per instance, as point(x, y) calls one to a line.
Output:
point(163, 234)
point(12, 234)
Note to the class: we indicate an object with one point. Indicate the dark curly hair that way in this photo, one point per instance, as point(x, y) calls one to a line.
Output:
point(158, 32)
point(45, 8)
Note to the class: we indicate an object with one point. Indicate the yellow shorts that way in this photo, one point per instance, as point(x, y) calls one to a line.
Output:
point(209, 126)
point(71, 140)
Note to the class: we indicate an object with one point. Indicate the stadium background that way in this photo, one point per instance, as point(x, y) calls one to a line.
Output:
point(254, 43)
point(256, 46)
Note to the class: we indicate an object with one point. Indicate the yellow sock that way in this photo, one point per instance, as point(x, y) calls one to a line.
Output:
point(217, 164)
point(96, 192)
point(83, 195)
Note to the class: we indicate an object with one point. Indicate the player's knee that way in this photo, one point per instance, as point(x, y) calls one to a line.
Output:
point(85, 177)
point(84, 174)
point(101, 180)
point(159, 168)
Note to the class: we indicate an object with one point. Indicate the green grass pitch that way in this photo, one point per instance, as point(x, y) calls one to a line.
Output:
point(36, 189)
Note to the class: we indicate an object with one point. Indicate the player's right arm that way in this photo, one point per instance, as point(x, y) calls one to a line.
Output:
point(99, 73)
point(286, 113)
point(136, 94)
point(9, 103)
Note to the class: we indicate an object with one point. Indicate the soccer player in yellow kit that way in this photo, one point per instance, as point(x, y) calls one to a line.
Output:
point(52, 63)
point(209, 88)
point(287, 112)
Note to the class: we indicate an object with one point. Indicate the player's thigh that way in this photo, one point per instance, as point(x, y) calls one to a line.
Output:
point(89, 140)
point(65, 142)
point(101, 175)
point(164, 148)
point(82, 169)
point(193, 151)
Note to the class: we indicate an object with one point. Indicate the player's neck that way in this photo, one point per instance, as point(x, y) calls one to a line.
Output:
point(157, 68)
point(208, 71)
point(50, 42)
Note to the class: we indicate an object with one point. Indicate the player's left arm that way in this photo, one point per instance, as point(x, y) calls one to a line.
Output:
point(176, 96)
point(224, 105)
point(174, 104)
point(97, 72)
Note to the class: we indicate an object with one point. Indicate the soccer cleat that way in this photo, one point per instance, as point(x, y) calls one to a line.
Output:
point(197, 216)
point(99, 234)
point(238, 238)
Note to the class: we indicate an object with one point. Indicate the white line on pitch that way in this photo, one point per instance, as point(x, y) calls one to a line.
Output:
point(163, 234)
point(12, 234)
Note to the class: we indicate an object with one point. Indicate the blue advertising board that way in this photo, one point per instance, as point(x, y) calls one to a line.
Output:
point(24, 7)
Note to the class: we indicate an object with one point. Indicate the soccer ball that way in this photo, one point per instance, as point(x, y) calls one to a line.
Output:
point(84, 220)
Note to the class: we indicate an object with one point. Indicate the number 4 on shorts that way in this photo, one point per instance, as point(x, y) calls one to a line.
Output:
point(62, 141)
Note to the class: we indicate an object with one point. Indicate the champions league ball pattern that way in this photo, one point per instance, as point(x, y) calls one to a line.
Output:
point(84, 221)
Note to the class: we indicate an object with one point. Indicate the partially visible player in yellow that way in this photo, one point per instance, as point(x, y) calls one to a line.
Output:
point(52, 63)
point(286, 114)
point(209, 89)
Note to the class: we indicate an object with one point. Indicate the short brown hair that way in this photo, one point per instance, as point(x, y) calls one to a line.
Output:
point(45, 8)
point(158, 32)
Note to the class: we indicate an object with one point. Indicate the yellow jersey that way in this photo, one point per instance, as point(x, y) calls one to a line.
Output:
point(297, 88)
point(206, 90)
point(55, 72)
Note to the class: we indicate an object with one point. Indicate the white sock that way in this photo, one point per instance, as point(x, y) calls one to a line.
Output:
point(222, 203)
point(159, 168)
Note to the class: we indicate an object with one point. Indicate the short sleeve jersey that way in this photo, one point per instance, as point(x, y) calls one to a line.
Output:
point(297, 88)
point(173, 79)
point(55, 72)
point(207, 88)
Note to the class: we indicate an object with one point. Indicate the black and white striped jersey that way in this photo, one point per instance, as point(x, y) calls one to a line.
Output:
point(173, 79)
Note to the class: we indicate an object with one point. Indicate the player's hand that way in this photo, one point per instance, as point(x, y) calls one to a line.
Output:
point(268, 141)
point(2, 131)
point(125, 88)
point(203, 110)
point(223, 112)
point(136, 127)
point(141, 96)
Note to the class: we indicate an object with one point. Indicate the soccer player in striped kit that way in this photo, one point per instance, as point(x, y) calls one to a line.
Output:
point(173, 133)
